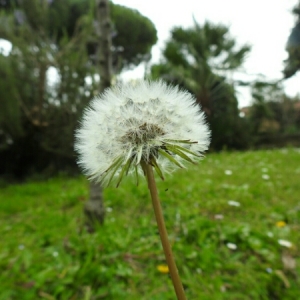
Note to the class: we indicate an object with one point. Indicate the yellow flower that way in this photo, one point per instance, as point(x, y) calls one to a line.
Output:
point(280, 224)
point(163, 269)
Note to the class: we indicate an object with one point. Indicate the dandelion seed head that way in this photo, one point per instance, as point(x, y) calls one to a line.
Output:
point(148, 122)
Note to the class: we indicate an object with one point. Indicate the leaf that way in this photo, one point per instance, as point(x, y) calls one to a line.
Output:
point(170, 157)
point(130, 159)
point(157, 168)
point(136, 174)
point(125, 169)
point(181, 141)
point(116, 161)
point(185, 150)
point(175, 150)
point(143, 167)
point(117, 164)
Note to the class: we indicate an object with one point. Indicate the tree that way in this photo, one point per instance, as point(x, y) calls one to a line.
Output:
point(133, 35)
point(261, 114)
point(39, 117)
point(292, 64)
point(42, 116)
point(94, 207)
point(272, 111)
point(198, 60)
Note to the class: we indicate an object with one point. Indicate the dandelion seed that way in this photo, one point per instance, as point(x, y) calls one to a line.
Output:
point(149, 122)
point(234, 203)
point(285, 243)
point(231, 246)
point(163, 269)
point(264, 170)
point(21, 247)
point(280, 224)
point(228, 172)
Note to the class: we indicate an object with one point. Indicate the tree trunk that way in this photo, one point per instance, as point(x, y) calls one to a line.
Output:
point(94, 208)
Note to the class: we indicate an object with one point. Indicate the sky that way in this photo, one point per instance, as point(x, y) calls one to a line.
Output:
point(264, 24)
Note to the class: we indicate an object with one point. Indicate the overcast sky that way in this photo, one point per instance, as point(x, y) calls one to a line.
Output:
point(265, 24)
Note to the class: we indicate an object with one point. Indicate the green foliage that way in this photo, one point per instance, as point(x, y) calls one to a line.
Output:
point(37, 117)
point(45, 114)
point(272, 111)
point(197, 59)
point(10, 113)
point(134, 36)
point(46, 253)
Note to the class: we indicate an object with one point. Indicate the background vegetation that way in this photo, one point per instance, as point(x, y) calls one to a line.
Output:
point(233, 220)
point(39, 114)
point(229, 200)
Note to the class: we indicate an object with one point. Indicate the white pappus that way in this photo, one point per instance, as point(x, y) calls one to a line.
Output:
point(143, 122)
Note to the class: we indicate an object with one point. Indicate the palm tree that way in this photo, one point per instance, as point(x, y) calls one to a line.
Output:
point(199, 59)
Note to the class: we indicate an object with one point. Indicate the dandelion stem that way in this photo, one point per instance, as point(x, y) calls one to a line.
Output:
point(163, 233)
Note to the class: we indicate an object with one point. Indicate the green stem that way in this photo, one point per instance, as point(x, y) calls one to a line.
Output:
point(163, 233)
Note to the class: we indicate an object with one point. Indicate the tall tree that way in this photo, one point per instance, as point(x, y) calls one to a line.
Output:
point(36, 115)
point(94, 208)
point(42, 116)
point(273, 111)
point(198, 59)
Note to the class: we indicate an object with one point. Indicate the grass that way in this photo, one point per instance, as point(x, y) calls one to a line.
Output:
point(45, 253)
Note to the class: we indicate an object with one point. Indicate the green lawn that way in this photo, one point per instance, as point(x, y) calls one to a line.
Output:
point(45, 252)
